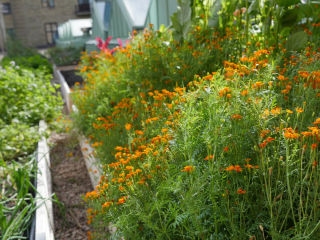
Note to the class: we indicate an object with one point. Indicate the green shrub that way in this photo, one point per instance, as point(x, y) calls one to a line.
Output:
point(65, 56)
point(26, 97)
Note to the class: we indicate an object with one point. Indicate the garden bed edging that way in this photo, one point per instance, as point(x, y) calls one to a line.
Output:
point(44, 227)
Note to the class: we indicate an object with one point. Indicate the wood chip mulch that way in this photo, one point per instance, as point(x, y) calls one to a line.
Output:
point(70, 182)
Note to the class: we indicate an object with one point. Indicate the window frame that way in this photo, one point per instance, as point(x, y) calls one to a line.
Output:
point(7, 10)
point(46, 32)
point(48, 3)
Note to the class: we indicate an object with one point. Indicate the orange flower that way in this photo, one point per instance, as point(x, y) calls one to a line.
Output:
point(276, 111)
point(237, 168)
point(138, 132)
point(107, 204)
point(289, 111)
point(244, 92)
point(264, 133)
point(208, 157)
point(317, 121)
point(236, 116)
point(299, 110)
point(240, 191)
point(224, 91)
point(314, 146)
point(122, 200)
point(226, 149)
point(290, 133)
point(188, 169)
point(230, 168)
point(306, 134)
point(257, 85)
point(249, 166)
point(164, 130)
point(128, 126)
point(263, 144)
point(269, 139)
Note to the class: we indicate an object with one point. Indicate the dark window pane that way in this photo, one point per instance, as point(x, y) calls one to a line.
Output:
point(6, 8)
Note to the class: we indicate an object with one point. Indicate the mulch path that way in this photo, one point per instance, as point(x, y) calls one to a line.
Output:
point(71, 182)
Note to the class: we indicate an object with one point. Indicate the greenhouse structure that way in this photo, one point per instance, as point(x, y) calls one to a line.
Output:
point(119, 18)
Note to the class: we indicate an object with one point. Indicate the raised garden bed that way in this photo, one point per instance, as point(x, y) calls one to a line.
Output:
point(87, 151)
point(44, 227)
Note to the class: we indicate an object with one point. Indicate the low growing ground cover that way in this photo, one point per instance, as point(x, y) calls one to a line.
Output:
point(26, 97)
point(215, 136)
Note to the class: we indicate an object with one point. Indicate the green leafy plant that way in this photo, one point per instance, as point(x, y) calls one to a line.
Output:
point(65, 56)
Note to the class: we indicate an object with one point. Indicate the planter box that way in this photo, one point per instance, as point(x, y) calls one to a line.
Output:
point(44, 228)
point(65, 90)
point(92, 164)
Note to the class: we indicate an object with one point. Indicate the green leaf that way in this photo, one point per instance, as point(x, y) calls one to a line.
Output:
point(287, 3)
point(297, 41)
point(289, 17)
point(254, 7)
point(181, 20)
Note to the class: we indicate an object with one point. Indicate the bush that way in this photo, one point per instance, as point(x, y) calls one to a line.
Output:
point(26, 97)
point(214, 137)
point(65, 56)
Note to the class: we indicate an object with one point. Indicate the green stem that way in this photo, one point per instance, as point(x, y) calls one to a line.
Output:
point(288, 182)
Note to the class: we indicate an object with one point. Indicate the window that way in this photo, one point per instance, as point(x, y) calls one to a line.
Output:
point(51, 31)
point(6, 8)
point(47, 3)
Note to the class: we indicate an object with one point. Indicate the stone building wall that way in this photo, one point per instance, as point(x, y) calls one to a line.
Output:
point(32, 21)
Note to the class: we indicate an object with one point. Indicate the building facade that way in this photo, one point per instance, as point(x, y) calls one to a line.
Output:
point(35, 22)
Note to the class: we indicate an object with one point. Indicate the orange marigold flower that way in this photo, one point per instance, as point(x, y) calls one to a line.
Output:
point(230, 168)
point(164, 130)
point(264, 133)
point(122, 200)
point(224, 91)
point(270, 139)
point(236, 116)
point(289, 111)
point(107, 204)
point(299, 110)
point(276, 111)
point(249, 166)
point(244, 92)
point(188, 169)
point(138, 132)
point(128, 126)
point(208, 157)
point(257, 85)
point(237, 168)
point(317, 121)
point(263, 144)
point(314, 146)
point(289, 133)
point(306, 134)
point(240, 191)
point(118, 148)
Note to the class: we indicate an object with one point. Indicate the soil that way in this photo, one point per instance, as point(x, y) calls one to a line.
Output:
point(70, 182)
point(71, 77)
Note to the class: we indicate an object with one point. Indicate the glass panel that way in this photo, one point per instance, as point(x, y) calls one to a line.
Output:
point(137, 11)
point(51, 3)
point(107, 15)
point(6, 8)
point(49, 37)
